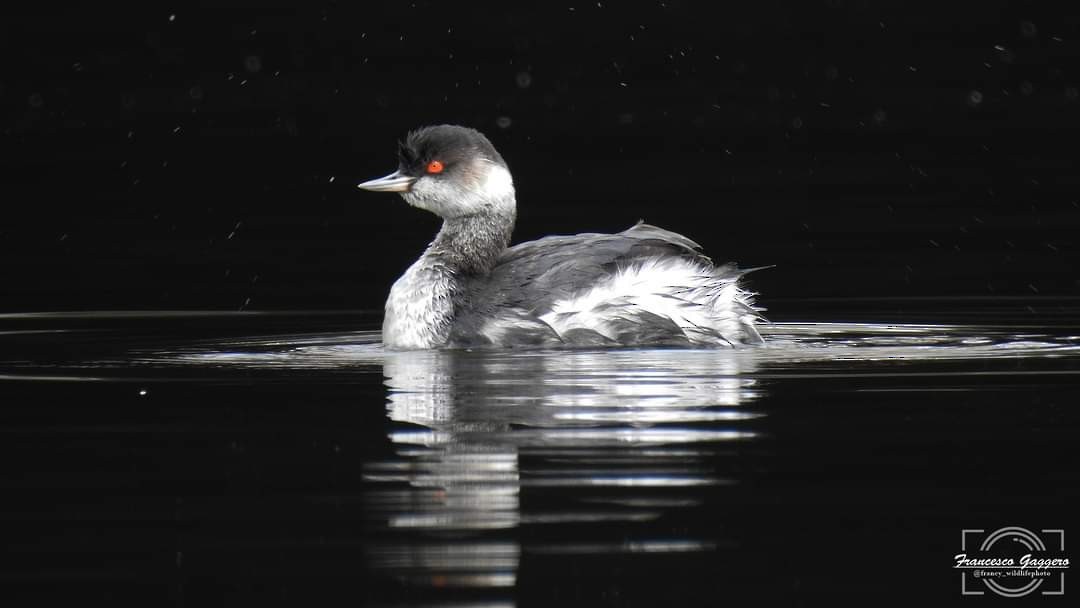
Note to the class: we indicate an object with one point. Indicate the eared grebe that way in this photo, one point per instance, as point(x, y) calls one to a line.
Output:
point(642, 286)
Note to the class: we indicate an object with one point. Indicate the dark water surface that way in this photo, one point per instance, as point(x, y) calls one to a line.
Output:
point(233, 458)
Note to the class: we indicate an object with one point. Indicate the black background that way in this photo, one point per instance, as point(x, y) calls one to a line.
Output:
point(175, 157)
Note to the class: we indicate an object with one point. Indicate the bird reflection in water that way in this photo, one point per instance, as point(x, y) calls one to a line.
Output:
point(619, 437)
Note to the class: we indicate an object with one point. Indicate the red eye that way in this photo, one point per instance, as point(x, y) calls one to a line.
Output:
point(435, 167)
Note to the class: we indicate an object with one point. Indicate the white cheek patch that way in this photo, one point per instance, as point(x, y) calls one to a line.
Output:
point(447, 198)
point(497, 184)
point(434, 195)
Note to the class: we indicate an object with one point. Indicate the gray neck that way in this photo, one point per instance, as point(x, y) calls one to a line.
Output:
point(424, 303)
point(469, 245)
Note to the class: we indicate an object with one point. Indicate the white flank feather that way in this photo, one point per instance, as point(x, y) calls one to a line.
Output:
point(704, 306)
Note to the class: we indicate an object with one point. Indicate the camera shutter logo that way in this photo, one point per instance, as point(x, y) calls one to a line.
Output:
point(1012, 562)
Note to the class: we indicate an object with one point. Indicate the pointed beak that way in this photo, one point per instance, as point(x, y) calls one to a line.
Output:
point(395, 182)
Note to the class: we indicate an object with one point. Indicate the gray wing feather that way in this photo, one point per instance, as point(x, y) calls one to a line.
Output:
point(535, 274)
point(506, 306)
